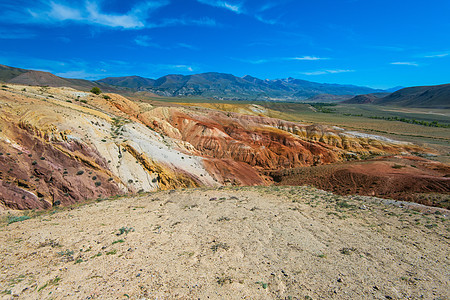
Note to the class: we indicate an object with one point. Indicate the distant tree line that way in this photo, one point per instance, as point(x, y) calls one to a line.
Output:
point(324, 107)
point(413, 121)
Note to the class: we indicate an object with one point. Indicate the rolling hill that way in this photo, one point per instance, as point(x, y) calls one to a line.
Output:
point(364, 99)
point(40, 78)
point(437, 96)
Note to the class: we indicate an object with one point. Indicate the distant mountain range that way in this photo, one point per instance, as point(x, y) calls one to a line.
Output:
point(230, 87)
point(209, 85)
point(227, 86)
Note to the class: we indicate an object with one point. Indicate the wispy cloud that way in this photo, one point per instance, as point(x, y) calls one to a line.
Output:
point(253, 61)
point(91, 12)
point(146, 41)
point(268, 6)
point(405, 63)
point(187, 46)
point(234, 7)
point(205, 21)
point(275, 59)
point(258, 13)
point(309, 58)
point(437, 55)
point(181, 67)
point(324, 72)
point(266, 20)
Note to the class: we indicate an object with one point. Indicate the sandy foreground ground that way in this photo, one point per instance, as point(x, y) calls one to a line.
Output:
point(228, 243)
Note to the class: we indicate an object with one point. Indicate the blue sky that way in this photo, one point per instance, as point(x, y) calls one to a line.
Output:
point(377, 43)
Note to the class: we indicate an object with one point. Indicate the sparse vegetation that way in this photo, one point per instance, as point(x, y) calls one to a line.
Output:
point(14, 219)
point(79, 260)
point(125, 230)
point(52, 282)
point(218, 246)
point(66, 253)
point(262, 284)
point(112, 252)
point(224, 279)
point(96, 90)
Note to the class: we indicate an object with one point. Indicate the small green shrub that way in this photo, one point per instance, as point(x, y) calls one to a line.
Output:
point(13, 219)
point(263, 284)
point(81, 172)
point(78, 261)
point(65, 253)
point(96, 90)
point(125, 230)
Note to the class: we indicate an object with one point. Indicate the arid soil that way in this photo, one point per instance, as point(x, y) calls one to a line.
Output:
point(404, 178)
point(228, 243)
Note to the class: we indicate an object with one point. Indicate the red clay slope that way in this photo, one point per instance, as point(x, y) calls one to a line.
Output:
point(404, 178)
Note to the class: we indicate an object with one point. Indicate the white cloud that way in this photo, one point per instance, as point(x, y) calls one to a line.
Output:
point(90, 12)
point(405, 63)
point(236, 8)
point(309, 58)
point(437, 55)
point(275, 59)
point(323, 72)
point(182, 67)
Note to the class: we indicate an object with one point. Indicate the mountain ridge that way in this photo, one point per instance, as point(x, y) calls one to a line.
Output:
point(227, 86)
point(209, 85)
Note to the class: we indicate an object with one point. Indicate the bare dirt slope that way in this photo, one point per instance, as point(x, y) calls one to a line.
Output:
point(228, 243)
point(404, 178)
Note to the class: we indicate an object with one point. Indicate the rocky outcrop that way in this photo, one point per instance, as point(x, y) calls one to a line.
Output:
point(61, 146)
point(266, 143)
